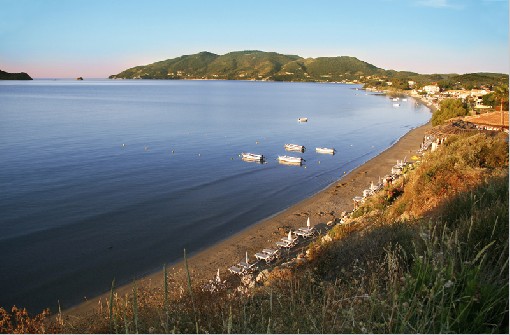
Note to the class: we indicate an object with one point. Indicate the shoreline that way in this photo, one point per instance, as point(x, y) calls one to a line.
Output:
point(324, 206)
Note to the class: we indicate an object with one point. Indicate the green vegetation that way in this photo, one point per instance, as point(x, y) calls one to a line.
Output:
point(430, 255)
point(14, 76)
point(449, 108)
point(501, 95)
point(253, 65)
point(250, 64)
point(260, 65)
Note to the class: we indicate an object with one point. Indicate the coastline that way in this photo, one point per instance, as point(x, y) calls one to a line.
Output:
point(322, 207)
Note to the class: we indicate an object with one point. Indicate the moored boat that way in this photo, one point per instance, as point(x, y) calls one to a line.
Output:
point(252, 157)
point(302, 119)
point(325, 150)
point(290, 160)
point(294, 147)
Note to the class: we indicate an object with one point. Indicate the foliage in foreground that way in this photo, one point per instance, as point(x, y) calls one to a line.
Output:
point(442, 273)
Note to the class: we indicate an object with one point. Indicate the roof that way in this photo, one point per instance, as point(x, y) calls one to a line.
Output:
point(489, 119)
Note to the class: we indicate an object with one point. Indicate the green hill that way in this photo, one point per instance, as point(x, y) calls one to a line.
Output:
point(252, 65)
point(14, 76)
point(261, 65)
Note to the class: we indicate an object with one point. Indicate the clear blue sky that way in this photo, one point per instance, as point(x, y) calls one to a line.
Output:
point(96, 38)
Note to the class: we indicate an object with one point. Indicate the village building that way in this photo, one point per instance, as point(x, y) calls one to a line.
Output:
point(431, 89)
point(490, 121)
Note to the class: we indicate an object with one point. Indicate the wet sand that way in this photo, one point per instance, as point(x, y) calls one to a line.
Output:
point(321, 207)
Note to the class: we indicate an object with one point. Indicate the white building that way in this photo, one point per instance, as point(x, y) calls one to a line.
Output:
point(431, 89)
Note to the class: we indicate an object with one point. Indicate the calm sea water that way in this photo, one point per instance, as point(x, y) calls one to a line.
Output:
point(112, 179)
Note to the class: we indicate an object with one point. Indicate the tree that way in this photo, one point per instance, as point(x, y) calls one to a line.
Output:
point(489, 99)
point(501, 94)
point(449, 108)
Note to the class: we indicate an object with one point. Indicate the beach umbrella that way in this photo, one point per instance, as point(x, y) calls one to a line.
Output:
point(308, 222)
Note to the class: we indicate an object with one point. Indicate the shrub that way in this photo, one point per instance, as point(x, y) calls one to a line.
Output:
point(448, 108)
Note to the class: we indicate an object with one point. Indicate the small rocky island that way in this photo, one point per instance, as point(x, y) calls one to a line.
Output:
point(14, 76)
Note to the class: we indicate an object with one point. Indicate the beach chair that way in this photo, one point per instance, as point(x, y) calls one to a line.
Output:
point(272, 252)
point(237, 271)
point(284, 244)
point(264, 257)
point(367, 193)
point(290, 240)
point(247, 266)
point(304, 232)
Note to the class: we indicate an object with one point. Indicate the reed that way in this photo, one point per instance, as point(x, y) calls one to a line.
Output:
point(135, 306)
point(188, 278)
point(111, 316)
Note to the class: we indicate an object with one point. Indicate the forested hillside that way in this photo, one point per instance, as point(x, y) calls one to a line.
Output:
point(260, 65)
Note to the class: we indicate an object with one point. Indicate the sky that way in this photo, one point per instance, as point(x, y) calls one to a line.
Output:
point(98, 38)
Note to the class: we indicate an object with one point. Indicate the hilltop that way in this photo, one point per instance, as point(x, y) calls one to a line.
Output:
point(253, 65)
point(273, 66)
point(14, 76)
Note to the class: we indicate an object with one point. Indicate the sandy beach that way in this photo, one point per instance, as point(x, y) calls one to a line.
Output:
point(321, 207)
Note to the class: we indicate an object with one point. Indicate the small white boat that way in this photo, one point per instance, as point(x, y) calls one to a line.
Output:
point(290, 160)
point(302, 119)
point(325, 150)
point(252, 157)
point(294, 147)
point(396, 105)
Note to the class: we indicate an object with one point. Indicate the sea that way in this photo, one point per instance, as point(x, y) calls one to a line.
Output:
point(111, 179)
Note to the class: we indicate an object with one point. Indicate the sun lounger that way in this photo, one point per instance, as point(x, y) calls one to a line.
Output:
point(247, 266)
point(264, 256)
point(273, 252)
point(290, 241)
point(236, 270)
point(283, 244)
point(304, 232)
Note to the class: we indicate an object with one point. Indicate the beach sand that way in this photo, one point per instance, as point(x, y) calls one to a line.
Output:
point(334, 199)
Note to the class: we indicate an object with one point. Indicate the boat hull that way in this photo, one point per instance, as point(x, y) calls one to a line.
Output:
point(290, 160)
point(330, 151)
point(249, 157)
point(294, 147)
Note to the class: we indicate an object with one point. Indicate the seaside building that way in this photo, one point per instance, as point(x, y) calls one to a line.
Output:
point(490, 121)
point(431, 89)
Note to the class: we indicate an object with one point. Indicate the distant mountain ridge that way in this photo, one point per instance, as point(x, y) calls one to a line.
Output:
point(272, 66)
point(252, 65)
point(14, 76)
